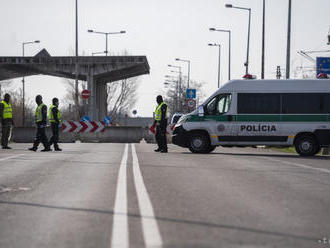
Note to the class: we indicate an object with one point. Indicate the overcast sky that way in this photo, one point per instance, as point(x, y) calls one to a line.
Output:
point(163, 30)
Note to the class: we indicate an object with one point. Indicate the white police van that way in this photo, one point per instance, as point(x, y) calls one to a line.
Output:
point(260, 112)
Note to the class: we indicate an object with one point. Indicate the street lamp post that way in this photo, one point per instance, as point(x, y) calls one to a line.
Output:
point(172, 79)
point(288, 46)
point(187, 61)
point(248, 40)
point(106, 37)
point(229, 59)
point(218, 45)
point(263, 41)
point(180, 82)
point(23, 80)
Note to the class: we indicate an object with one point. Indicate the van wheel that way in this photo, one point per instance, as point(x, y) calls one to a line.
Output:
point(199, 143)
point(307, 145)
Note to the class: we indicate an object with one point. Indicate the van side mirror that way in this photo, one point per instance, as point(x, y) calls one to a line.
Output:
point(200, 110)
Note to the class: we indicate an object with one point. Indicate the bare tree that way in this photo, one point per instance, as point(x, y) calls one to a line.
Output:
point(16, 101)
point(121, 97)
point(74, 110)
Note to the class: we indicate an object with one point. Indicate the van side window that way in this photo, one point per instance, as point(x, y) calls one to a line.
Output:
point(304, 103)
point(224, 103)
point(210, 107)
point(218, 105)
point(259, 103)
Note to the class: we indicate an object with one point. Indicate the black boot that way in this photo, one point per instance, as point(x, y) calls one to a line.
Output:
point(34, 149)
point(57, 148)
point(47, 149)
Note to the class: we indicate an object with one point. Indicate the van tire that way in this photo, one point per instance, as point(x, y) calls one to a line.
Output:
point(306, 145)
point(200, 143)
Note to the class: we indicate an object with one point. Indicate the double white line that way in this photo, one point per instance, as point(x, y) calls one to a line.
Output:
point(120, 235)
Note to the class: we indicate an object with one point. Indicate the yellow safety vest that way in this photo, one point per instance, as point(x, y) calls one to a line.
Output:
point(158, 112)
point(51, 116)
point(38, 113)
point(7, 111)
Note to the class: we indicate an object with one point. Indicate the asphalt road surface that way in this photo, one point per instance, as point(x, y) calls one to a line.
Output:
point(126, 195)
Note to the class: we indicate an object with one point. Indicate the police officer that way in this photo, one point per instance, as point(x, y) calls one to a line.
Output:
point(41, 122)
point(161, 124)
point(55, 119)
point(6, 117)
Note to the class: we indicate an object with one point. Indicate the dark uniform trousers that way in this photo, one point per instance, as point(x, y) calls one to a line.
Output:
point(6, 129)
point(54, 138)
point(41, 137)
point(161, 135)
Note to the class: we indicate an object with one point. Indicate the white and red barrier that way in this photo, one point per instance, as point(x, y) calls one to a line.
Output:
point(83, 126)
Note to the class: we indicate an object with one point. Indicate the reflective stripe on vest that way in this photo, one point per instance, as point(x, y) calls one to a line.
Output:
point(51, 116)
point(38, 113)
point(7, 111)
point(158, 112)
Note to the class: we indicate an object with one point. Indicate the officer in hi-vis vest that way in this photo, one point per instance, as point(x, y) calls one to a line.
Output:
point(41, 122)
point(161, 124)
point(55, 119)
point(6, 117)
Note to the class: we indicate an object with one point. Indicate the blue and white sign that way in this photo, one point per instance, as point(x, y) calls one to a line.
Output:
point(85, 118)
point(191, 93)
point(107, 120)
point(322, 65)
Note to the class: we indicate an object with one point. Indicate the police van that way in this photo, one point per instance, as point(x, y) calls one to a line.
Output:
point(260, 112)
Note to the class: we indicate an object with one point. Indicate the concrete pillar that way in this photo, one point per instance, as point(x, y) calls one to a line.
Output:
point(91, 85)
point(101, 100)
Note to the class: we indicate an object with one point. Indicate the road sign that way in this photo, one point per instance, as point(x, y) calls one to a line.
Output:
point(107, 120)
point(83, 126)
point(322, 65)
point(191, 103)
point(191, 93)
point(85, 94)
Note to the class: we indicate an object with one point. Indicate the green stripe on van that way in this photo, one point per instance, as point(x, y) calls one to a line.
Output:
point(262, 118)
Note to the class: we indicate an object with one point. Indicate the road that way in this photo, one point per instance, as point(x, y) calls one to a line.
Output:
point(126, 195)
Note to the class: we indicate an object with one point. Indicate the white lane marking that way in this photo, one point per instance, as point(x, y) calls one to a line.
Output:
point(150, 229)
point(300, 165)
point(120, 220)
point(16, 156)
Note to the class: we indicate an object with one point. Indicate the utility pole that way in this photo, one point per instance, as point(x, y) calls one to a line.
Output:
point(263, 42)
point(77, 66)
point(288, 49)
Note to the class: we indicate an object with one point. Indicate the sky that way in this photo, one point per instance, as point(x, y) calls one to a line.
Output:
point(163, 30)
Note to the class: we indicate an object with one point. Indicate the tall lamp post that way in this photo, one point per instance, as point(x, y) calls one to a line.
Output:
point(263, 41)
point(248, 39)
point(218, 45)
point(187, 61)
point(229, 59)
point(288, 45)
point(23, 80)
point(180, 81)
point(106, 37)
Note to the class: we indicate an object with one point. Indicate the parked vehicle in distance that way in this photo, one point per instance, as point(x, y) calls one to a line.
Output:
point(260, 112)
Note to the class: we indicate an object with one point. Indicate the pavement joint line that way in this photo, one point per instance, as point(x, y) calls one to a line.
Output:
point(7, 158)
point(300, 165)
point(151, 234)
point(120, 217)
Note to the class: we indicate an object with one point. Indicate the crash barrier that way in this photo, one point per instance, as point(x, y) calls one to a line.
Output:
point(83, 126)
point(109, 135)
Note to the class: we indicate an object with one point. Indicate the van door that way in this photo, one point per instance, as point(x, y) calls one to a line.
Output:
point(216, 118)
